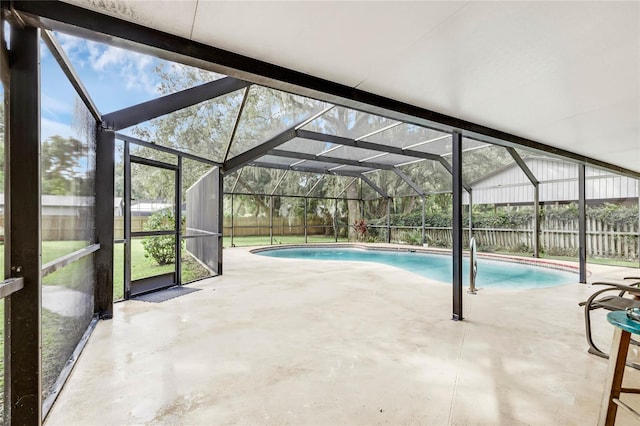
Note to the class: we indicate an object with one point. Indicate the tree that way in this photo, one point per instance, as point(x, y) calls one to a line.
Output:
point(2, 117)
point(200, 129)
point(161, 248)
point(207, 129)
point(64, 163)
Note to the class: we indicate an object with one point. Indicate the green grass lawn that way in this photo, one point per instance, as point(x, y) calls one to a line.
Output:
point(590, 260)
point(53, 324)
point(52, 250)
point(142, 267)
point(597, 261)
point(59, 333)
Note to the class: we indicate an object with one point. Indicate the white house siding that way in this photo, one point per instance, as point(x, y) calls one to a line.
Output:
point(558, 183)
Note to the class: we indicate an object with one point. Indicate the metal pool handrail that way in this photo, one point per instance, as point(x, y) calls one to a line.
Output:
point(473, 266)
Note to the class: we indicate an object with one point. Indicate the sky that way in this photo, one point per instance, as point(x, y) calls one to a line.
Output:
point(115, 78)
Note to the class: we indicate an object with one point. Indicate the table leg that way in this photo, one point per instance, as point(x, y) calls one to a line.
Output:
point(615, 371)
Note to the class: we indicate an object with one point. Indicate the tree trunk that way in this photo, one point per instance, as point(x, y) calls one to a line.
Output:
point(260, 204)
point(409, 204)
point(354, 210)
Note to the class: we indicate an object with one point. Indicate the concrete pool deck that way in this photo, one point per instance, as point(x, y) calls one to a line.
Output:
point(282, 341)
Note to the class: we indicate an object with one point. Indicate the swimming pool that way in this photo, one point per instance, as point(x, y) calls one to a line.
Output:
point(437, 267)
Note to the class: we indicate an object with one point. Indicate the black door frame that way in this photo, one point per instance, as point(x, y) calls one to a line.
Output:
point(157, 282)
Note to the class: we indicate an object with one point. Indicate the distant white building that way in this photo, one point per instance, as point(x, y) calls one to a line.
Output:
point(118, 206)
point(148, 207)
point(140, 208)
point(61, 205)
point(558, 184)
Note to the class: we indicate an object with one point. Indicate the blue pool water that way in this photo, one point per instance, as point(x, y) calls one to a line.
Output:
point(438, 267)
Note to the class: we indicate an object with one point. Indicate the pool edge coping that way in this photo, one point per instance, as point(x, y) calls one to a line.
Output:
point(543, 263)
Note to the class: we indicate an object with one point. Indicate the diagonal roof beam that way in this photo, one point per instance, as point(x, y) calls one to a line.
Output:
point(355, 178)
point(284, 175)
point(95, 26)
point(523, 166)
point(256, 152)
point(374, 186)
point(155, 108)
point(448, 168)
point(236, 124)
point(70, 72)
point(325, 159)
point(136, 141)
point(408, 180)
point(339, 140)
point(315, 185)
point(259, 150)
point(237, 180)
point(321, 172)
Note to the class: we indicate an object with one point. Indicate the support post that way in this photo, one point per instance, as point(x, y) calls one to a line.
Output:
point(470, 215)
point(361, 202)
point(178, 222)
point(271, 219)
point(389, 219)
point(104, 189)
point(127, 220)
point(534, 181)
point(220, 196)
point(23, 380)
point(305, 221)
point(457, 226)
point(335, 219)
point(536, 221)
point(232, 224)
point(582, 223)
point(424, 217)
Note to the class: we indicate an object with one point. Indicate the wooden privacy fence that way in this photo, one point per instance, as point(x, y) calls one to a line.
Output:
point(66, 228)
point(244, 226)
point(73, 228)
point(137, 224)
point(259, 226)
point(557, 237)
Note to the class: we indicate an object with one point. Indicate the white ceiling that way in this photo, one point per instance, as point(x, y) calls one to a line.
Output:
point(566, 74)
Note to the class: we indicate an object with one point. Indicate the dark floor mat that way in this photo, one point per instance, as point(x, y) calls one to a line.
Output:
point(164, 295)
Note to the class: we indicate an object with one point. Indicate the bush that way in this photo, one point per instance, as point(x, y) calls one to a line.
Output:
point(360, 227)
point(506, 218)
point(163, 247)
point(414, 237)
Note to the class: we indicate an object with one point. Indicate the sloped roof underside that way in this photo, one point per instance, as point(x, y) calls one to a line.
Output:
point(234, 123)
point(561, 73)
